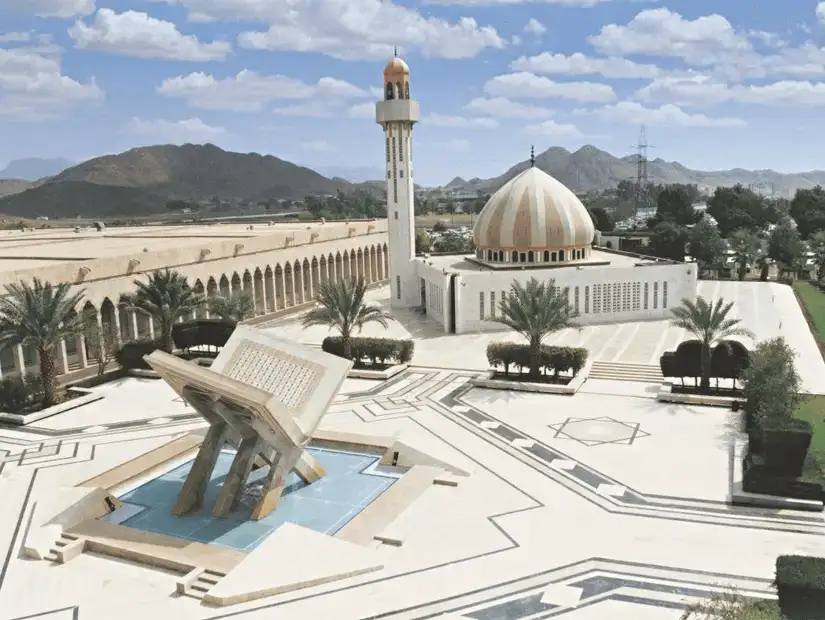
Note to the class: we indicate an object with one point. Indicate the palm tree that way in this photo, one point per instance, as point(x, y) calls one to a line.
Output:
point(41, 314)
point(342, 307)
point(536, 310)
point(710, 324)
point(166, 297)
point(236, 307)
point(747, 249)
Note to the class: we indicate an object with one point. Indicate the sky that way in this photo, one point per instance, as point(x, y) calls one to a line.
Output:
point(718, 85)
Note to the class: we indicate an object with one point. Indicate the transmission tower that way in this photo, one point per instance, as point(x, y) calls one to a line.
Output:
point(641, 198)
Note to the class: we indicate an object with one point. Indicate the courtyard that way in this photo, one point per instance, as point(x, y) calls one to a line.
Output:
point(603, 505)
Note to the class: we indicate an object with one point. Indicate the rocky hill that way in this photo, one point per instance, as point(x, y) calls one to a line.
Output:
point(15, 186)
point(142, 180)
point(590, 168)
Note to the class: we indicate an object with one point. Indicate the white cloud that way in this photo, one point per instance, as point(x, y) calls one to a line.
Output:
point(350, 29)
point(528, 85)
point(33, 87)
point(661, 32)
point(579, 64)
point(554, 130)
point(310, 110)
point(441, 120)
point(175, 132)
point(137, 34)
point(362, 110)
point(15, 37)
point(249, 91)
point(704, 91)
point(49, 8)
point(535, 27)
point(668, 115)
point(318, 146)
point(820, 12)
point(573, 3)
point(502, 107)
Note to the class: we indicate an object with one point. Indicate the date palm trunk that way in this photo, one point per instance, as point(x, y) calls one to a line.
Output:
point(48, 375)
point(705, 367)
point(535, 355)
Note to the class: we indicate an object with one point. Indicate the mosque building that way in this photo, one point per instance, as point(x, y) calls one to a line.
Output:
point(532, 227)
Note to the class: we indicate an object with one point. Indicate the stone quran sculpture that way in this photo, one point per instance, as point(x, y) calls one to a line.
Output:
point(266, 397)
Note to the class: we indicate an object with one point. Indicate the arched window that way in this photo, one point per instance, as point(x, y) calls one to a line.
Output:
point(399, 90)
point(546, 256)
point(389, 93)
point(515, 256)
point(489, 255)
point(530, 256)
point(561, 255)
point(407, 90)
point(500, 256)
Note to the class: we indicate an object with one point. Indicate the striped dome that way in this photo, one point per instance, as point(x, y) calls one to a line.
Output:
point(533, 211)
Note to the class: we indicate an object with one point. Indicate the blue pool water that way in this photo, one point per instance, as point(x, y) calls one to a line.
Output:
point(325, 506)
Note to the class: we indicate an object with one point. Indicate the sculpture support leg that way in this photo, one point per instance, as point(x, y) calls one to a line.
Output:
point(191, 495)
point(275, 481)
point(236, 478)
point(308, 468)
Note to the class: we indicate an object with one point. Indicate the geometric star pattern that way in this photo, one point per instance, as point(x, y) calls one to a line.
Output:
point(598, 431)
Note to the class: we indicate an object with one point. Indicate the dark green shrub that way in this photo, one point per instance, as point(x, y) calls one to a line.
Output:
point(689, 359)
point(729, 360)
point(372, 351)
point(202, 332)
point(553, 359)
point(800, 584)
point(757, 478)
point(17, 395)
point(669, 365)
point(130, 355)
point(785, 444)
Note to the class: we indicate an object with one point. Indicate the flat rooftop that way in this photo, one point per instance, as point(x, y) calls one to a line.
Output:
point(47, 247)
point(598, 259)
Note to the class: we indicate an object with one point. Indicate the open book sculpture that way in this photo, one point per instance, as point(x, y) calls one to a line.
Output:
point(265, 396)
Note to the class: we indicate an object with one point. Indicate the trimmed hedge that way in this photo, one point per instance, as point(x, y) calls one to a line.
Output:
point(130, 355)
point(800, 584)
point(757, 477)
point(552, 358)
point(376, 351)
point(202, 332)
point(728, 360)
point(785, 444)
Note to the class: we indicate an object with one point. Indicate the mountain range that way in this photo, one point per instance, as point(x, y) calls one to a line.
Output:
point(590, 168)
point(34, 168)
point(141, 181)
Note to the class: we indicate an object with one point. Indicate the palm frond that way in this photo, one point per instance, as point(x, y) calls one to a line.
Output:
point(536, 309)
point(342, 306)
point(39, 313)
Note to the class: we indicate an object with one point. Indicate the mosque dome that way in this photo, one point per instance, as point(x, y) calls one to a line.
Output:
point(396, 67)
point(533, 218)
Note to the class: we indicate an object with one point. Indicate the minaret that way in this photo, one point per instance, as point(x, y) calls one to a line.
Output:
point(397, 114)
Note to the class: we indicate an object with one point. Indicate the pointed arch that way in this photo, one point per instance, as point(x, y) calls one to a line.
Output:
point(235, 284)
point(309, 283)
point(289, 285)
point(200, 313)
point(280, 289)
point(224, 286)
point(322, 269)
point(339, 266)
point(347, 265)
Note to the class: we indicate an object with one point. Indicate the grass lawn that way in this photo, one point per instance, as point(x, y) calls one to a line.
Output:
point(812, 301)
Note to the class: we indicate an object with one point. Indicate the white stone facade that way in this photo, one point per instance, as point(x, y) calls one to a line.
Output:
point(465, 300)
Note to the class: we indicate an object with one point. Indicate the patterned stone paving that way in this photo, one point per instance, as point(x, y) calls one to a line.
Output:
point(545, 530)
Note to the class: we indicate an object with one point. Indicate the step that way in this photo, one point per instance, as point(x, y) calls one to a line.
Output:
point(597, 364)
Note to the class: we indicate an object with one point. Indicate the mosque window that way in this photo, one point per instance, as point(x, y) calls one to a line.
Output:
point(647, 287)
point(395, 214)
point(597, 298)
point(389, 174)
point(500, 256)
point(605, 297)
point(401, 148)
point(576, 299)
point(388, 150)
point(546, 256)
point(401, 174)
point(655, 295)
point(553, 257)
point(522, 257)
point(398, 287)
point(407, 90)
point(515, 256)
point(625, 296)
point(586, 299)
point(530, 256)
point(664, 294)
point(389, 94)
point(481, 305)
point(399, 90)
point(561, 256)
point(637, 287)
point(492, 304)
point(617, 300)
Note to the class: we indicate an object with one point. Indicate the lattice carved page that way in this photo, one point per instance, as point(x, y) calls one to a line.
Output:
point(290, 379)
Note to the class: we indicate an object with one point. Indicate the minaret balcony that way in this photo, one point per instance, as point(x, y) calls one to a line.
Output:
point(396, 110)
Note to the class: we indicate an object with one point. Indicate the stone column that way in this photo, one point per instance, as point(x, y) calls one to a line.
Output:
point(19, 360)
point(62, 358)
